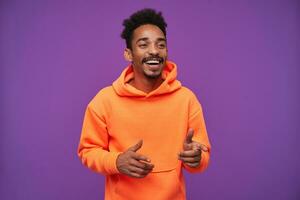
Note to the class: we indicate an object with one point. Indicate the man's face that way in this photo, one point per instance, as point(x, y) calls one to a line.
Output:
point(149, 51)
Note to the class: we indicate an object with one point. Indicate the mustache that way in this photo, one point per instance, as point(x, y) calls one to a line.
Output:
point(159, 59)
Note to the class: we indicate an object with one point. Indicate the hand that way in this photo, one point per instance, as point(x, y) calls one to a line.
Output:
point(133, 164)
point(191, 154)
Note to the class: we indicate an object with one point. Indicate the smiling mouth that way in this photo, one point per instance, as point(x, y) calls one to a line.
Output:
point(153, 65)
point(153, 60)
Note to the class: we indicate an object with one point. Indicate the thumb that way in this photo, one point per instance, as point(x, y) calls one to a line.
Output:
point(189, 136)
point(136, 147)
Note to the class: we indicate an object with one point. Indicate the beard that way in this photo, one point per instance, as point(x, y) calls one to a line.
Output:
point(149, 73)
point(152, 76)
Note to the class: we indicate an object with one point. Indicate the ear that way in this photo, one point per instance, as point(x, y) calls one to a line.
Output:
point(128, 55)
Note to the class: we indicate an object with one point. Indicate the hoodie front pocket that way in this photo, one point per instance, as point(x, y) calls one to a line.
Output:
point(157, 185)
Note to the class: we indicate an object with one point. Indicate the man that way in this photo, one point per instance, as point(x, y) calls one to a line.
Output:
point(141, 131)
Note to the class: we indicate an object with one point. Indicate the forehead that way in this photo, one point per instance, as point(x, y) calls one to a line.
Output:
point(149, 31)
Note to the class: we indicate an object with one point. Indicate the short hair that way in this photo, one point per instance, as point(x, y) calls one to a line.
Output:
point(139, 18)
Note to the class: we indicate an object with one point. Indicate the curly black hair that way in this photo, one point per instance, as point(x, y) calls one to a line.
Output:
point(142, 17)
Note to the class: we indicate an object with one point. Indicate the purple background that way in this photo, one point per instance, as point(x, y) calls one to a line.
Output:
point(241, 58)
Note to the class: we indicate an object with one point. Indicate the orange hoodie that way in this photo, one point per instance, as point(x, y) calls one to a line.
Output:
point(120, 115)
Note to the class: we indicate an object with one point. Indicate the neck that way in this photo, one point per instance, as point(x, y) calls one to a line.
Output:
point(146, 84)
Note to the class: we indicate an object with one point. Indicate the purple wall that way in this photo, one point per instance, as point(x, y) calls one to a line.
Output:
point(240, 57)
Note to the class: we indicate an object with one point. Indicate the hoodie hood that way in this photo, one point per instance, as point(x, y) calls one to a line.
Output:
point(170, 83)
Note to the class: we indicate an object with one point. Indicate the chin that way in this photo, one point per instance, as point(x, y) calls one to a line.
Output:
point(152, 75)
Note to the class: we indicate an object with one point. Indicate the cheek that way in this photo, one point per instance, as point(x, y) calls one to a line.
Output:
point(164, 53)
point(139, 56)
point(137, 53)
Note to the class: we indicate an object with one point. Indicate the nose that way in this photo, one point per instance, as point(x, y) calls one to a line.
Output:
point(153, 50)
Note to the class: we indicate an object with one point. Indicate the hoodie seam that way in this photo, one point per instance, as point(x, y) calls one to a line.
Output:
point(194, 115)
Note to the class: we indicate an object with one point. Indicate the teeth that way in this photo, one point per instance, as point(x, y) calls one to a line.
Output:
point(152, 62)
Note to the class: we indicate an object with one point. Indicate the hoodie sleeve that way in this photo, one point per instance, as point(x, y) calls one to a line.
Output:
point(196, 121)
point(93, 145)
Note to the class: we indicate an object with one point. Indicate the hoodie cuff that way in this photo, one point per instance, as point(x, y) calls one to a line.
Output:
point(111, 162)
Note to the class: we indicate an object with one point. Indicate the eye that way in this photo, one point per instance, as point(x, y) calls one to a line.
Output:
point(161, 45)
point(143, 45)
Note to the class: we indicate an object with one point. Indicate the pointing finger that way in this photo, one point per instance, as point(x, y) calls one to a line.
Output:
point(204, 148)
point(140, 157)
point(140, 164)
point(190, 153)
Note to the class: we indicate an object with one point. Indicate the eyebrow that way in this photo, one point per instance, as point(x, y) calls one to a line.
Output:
point(145, 39)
